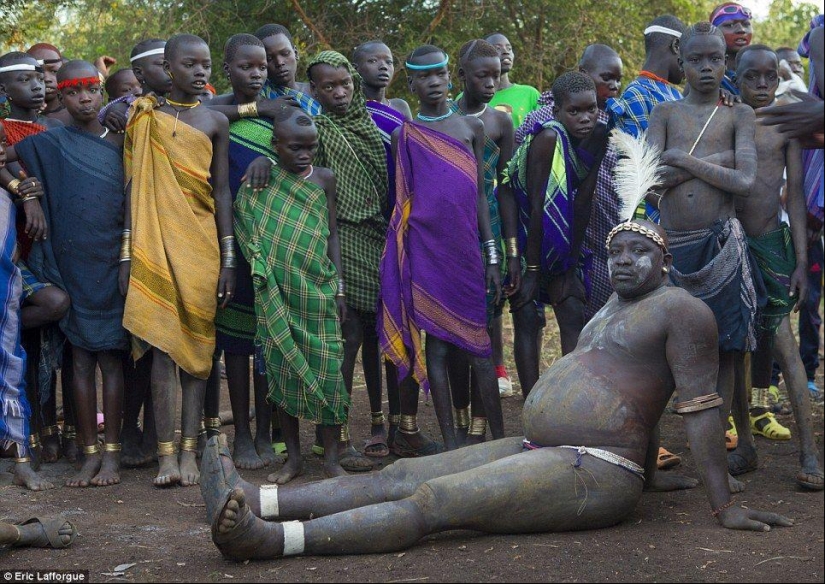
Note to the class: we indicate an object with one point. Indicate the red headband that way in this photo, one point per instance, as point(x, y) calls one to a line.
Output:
point(78, 81)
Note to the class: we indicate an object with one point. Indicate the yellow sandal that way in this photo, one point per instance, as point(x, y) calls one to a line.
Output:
point(768, 426)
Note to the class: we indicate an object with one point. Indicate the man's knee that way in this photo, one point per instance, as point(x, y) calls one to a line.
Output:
point(54, 301)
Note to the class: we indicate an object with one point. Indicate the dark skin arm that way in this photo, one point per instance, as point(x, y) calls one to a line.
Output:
point(797, 213)
point(267, 108)
point(539, 161)
point(36, 227)
point(738, 180)
point(507, 202)
point(333, 243)
point(115, 117)
point(673, 176)
point(125, 267)
point(801, 120)
point(692, 354)
point(493, 274)
point(223, 202)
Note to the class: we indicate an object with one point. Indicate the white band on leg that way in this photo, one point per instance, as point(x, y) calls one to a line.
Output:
point(293, 538)
point(269, 501)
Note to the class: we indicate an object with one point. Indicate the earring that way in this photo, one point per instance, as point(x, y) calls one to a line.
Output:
point(169, 73)
point(450, 86)
point(665, 270)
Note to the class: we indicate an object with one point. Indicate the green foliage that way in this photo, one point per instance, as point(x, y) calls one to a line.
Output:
point(548, 36)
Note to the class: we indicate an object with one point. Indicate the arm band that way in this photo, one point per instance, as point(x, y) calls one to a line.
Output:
point(697, 404)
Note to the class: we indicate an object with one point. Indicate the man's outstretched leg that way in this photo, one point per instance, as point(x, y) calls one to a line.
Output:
point(592, 495)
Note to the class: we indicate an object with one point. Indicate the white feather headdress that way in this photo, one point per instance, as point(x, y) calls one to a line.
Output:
point(636, 172)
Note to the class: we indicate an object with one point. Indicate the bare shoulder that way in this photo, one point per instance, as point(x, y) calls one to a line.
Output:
point(744, 113)
point(323, 173)
point(474, 123)
point(693, 314)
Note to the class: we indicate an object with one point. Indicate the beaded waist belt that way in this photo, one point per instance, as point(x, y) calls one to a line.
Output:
point(604, 455)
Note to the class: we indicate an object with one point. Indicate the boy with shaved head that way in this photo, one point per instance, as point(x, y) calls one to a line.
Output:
point(84, 210)
point(781, 256)
point(288, 233)
point(178, 255)
point(513, 98)
point(49, 57)
point(697, 209)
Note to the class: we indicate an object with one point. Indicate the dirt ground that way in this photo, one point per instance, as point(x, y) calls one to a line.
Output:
point(669, 537)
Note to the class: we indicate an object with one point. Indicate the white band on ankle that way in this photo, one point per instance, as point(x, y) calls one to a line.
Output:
point(269, 501)
point(293, 538)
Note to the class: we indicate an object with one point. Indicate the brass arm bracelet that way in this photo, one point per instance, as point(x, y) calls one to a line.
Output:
point(14, 186)
point(248, 110)
point(697, 404)
point(512, 247)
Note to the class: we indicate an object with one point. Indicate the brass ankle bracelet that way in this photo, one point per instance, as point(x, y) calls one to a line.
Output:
point(34, 441)
point(166, 448)
point(213, 426)
point(478, 427)
point(377, 418)
point(69, 432)
point(462, 418)
point(93, 449)
point(344, 436)
point(188, 444)
point(50, 431)
point(111, 447)
point(23, 459)
point(408, 424)
point(395, 419)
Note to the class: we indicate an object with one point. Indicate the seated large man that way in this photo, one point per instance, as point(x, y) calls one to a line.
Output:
point(579, 466)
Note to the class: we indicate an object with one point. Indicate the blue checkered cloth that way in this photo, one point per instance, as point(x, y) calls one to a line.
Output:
point(631, 113)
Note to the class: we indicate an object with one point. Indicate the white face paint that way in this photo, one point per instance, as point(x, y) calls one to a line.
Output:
point(644, 265)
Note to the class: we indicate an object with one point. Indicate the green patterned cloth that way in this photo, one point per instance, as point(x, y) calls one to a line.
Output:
point(282, 232)
point(351, 146)
point(775, 257)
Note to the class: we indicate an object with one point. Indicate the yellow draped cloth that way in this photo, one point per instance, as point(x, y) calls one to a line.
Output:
point(173, 282)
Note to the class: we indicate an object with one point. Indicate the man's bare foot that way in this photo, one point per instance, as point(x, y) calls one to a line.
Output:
point(169, 471)
point(810, 477)
point(245, 455)
point(109, 470)
point(334, 470)
point(51, 448)
point(189, 473)
point(670, 482)
point(292, 468)
point(43, 533)
point(263, 446)
point(25, 476)
point(239, 535)
point(735, 485)
point(90, 468)
point(218, 474)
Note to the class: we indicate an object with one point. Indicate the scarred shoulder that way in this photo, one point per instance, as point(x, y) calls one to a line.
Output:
point(684, 312)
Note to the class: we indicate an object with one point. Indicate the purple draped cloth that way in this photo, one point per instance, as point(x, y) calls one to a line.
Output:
point(432, 273)
point(387, 120)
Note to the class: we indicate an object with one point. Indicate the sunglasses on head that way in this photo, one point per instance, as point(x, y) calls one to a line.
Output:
point(732, 9)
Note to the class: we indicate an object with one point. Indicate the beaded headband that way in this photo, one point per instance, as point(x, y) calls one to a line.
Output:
point(636, 228)
point(412, 67)
point(78, 81)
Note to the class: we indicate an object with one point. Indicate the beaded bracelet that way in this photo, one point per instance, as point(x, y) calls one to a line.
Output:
point(716, 512)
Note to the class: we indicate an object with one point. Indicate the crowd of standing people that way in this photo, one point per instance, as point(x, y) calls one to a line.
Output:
point(277, 232)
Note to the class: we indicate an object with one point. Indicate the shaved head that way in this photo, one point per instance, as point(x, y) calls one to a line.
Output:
point(593, 55)
point(75, 70)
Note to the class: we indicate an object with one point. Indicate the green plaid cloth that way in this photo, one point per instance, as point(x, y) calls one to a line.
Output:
point(351, 146)
point(775, 256)
point(282, 232)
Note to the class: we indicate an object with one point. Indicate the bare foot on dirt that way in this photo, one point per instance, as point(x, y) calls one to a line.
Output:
point(334, 470)
point(189, 473)
point(263, 446)
point(735, 485)
point(245, 455)
point(810, 477)
point(90, 468)
point(292, 468)
point(169, 471)
point(663, 483)
point(25, 476)
point(109, 470)
point(239, 535)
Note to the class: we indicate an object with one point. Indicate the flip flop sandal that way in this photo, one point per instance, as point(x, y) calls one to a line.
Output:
point(803, 480)
point(379, 446)
point(279, 448)
point(50, 532)
point(354, 461)
point(666, 460)
point(768, 426)
point(403, 449)
point(214, 477)
point(317, 450)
